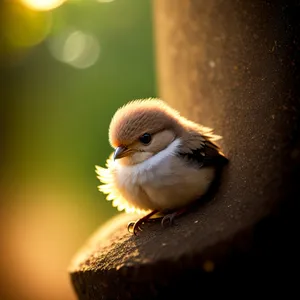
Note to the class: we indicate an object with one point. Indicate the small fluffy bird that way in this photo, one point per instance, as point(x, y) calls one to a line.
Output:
point(162, 161)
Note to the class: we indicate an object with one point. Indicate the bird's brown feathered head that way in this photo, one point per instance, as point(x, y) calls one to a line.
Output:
point(138, 117)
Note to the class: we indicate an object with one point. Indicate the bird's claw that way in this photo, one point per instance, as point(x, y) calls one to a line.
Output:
point(134, 227)
point(168, 219)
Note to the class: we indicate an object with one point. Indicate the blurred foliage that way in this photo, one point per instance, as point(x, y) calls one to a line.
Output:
point(59, 115)
point(55, 114)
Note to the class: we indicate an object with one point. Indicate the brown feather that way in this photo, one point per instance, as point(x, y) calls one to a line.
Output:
point(151, 116)
point(139, 117)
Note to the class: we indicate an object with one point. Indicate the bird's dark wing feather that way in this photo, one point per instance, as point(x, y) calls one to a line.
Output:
point(206, 155)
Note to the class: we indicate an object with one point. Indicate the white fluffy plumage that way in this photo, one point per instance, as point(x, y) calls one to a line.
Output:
point(115, 175)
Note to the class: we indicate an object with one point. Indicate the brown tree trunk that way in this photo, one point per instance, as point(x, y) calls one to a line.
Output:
point(234, 66)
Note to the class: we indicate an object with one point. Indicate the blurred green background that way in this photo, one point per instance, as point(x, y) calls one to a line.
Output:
point(66, 66)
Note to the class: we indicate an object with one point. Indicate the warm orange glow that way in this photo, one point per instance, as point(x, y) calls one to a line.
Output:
point(37, 240)
point(42, 4)
point(208, 266)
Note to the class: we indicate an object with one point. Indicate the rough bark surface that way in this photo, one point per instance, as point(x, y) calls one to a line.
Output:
point(234, 66)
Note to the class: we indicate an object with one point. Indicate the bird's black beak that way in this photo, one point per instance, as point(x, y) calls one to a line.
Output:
point(120, 152)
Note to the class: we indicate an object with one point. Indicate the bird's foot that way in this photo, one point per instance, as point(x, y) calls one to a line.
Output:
point(169, 218)
point(135, 226)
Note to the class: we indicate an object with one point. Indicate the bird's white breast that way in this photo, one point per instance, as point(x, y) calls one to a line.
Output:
point(145, 172)
point(164, 181)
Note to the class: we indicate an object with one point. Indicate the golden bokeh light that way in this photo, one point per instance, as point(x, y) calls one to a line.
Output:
point(23, 27)
point(76, 48)
point(42, 4)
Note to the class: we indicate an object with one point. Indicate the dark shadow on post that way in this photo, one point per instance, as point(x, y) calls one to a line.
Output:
point(234, 66)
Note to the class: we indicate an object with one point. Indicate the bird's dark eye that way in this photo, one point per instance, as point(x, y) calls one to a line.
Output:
point(145, 138)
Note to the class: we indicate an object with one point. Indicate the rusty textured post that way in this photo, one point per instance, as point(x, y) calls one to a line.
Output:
point(234, 66)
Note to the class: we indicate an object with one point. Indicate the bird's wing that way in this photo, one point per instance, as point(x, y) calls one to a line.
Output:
point(108, 187)
point(205, 153)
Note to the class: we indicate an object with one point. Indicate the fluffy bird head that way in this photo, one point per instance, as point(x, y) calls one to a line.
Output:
point(142, 128)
